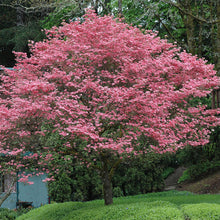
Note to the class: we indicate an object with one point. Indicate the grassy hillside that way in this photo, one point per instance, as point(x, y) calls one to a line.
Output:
point(153, 206)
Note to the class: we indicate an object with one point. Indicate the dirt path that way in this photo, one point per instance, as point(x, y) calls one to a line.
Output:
point(172, 181)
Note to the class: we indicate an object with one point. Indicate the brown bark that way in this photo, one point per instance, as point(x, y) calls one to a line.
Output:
point(213, 99)
point(218, 99)
point(217, 44)
point(107, 171)
point(189, 24)
point(96, 6)
point(120, 8)
point(8, 193)
point(19, 14)
point(107, 187)
point(200, 24)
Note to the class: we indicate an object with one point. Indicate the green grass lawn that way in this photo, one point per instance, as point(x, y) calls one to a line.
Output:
point(153, 206)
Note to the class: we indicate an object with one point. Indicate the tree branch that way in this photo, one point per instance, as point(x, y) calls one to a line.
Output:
point(8, 193)
point(29, 10)
point(198, 18)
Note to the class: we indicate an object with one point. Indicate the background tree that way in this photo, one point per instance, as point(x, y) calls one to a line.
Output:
point(194, 25)
point(20, 22)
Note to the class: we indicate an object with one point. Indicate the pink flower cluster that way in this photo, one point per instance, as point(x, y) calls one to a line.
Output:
point(107, 83)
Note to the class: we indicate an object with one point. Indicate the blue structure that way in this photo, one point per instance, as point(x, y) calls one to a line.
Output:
point(10, 68)
point(35, 194)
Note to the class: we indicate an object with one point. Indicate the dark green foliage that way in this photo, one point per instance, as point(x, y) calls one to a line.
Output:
point(14, 36)
point(7, 15)
point(19, 36)
point(200, 170)
point(201, 101)
point(133, 176)
point(7, 214)
point(60, 190)
point(184, 177)
point(82, 184)
point(117, 192)
point(32, 31)
point(68, 13)
point(139, 175)
point(167, 171)
point(86, 184)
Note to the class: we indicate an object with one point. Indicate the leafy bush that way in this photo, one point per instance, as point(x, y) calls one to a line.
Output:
point(202, 211)
point(139, 175)
point(133, 176)
point(78, 196)
point(199, 170)
point(167, 171)
point(161, 213)
point(117, 192)
point(7, 214)
point(60, 191)
point(186, 176)
point(82, 184)
point(152, 206)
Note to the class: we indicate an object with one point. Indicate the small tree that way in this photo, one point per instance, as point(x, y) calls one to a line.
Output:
point(105, 84)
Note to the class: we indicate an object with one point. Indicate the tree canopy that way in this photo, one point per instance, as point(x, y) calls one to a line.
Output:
point(106, 83)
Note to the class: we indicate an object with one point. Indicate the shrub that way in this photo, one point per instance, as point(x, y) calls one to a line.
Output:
point(167, 171)
point(133, 176)
point(161, 213)
point(202, 211)
point(117, 192)
point(199, 170)
point(139, 175)
point(60, 190)
point(78, 196)
point(186, 176)
point(7, 214)
point(153, 206)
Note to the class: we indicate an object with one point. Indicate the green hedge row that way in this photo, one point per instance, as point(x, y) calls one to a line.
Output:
point(154, 206)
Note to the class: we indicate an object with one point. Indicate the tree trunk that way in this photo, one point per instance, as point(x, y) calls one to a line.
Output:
point(19, 15)
point(107, 7)
point(201, 26)
point(107, 187)
point(217, 44)
point(120, 8)
point(96, 6)
point(189, 24)
point(109, 165)
point(8, 193)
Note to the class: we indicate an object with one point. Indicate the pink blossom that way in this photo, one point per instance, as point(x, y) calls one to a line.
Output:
point(107, 84)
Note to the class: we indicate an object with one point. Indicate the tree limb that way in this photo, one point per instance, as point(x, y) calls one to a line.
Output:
point(198, 18)
point(29, 10)
point(8, 193)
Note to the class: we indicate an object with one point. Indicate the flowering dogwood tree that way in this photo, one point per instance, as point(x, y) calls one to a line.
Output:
point(106, 83)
